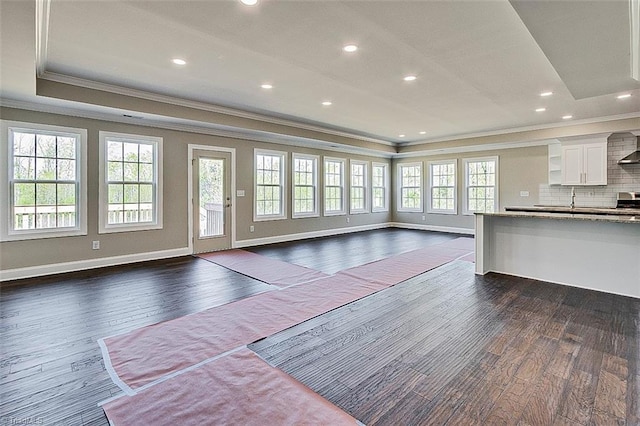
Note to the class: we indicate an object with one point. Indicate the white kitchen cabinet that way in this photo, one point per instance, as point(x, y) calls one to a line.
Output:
point(555, 163)
point(584, 163)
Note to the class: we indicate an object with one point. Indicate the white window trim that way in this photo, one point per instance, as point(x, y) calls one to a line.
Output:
point(6, 166)
point(366, 208)
point(343, 211)
point(316, 210)
point(399, 187)
point(103, 226)
point(496, 205)
point(387, 185)
point(430, 209)
point(283, 184)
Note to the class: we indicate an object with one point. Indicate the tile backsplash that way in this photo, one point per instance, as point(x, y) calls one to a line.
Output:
point(619, 178)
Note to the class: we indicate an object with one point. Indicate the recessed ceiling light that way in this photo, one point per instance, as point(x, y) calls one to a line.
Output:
point(567, 117)
point(350, 48)
point(179, 61)
point(541, 109)
point(626, 95)
point(543, 94)
point(267, 86)
point(249, 2)
point(326, 103)
point(410, 78)
point(423, 133)
point(401, 136)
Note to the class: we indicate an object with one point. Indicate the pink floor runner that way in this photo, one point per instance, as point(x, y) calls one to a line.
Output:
point(238, 389)
point(263, 268)
point(395, 269)
point(142, 356)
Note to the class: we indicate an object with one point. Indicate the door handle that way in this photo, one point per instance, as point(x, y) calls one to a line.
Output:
point(228, 205)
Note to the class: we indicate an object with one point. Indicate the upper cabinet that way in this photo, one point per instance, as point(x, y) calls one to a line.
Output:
point(555, 163)
point(584, 161)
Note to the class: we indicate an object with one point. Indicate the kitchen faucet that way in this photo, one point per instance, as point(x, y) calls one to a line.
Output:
point(573, 197)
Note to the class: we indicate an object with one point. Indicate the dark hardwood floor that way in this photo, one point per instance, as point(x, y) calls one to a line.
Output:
point(446, 347)
point(451, 348)
point(333, 254)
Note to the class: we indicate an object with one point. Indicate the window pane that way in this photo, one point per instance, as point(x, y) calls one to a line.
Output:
point(66, 147)
point(45, 169)
point(66, 194)
point(66, 170)
point(114, 151)
point(114, 172)
point(24, 194)
point(46, 194)
point(116, 194)
point(146, 153)
point(46, 146)
point(130, 152)
point(146, 173)
point(24, 168)
point(24, 144)
point(131, 193)
point(131, 172)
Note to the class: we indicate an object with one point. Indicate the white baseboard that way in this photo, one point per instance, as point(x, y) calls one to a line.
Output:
point(58, 268)
point(449, 229)
point(306, 235)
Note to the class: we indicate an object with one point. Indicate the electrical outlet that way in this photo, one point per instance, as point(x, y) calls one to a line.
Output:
point(524, 193)
point(251, 228)
point(424, 217)
point(347, 220)
point(96, 245)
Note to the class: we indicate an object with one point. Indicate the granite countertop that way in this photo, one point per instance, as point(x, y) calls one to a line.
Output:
point(569, 216)
point(577, 210)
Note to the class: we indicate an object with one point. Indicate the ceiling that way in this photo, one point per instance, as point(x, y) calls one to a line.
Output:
point(480, 66)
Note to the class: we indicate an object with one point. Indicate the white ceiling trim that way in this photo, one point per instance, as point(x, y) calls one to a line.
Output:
point(89, 84)
point(526, 129)
point(474, 148)
point(196, 127)
point(43, 11)
point(634, 26)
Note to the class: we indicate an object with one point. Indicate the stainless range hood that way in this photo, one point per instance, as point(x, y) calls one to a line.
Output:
point(634, 157)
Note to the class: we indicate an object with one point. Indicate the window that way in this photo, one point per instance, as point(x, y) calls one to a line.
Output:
point(358, 192)
point(410, 182)
point(334, 186)
point(442, 187)
point(305, 185)
point(130, 183)
point(46, 191)
point(270, 183)
point(481, 181)
point(380, 185)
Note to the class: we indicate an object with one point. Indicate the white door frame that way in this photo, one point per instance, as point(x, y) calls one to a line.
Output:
point(232, 195)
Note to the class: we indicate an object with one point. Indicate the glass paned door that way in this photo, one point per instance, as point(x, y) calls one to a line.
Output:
point(211, 201)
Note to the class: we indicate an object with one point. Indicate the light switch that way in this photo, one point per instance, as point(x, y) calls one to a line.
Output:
point(524, 193)
point(240, 193)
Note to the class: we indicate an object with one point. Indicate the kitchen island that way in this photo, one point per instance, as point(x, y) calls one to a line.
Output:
point(594, 251)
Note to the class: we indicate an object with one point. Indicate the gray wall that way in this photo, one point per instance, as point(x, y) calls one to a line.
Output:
point(174, 235)
point(520, 169)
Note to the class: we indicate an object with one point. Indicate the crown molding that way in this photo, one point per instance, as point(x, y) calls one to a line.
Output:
point(524, 129)
point(473, 148)
point(43, 11)
point(120, 90)
point(194, 127)
point(634, 33)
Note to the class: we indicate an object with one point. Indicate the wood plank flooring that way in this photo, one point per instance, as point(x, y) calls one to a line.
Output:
point(451, 348)
point(443, 348)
